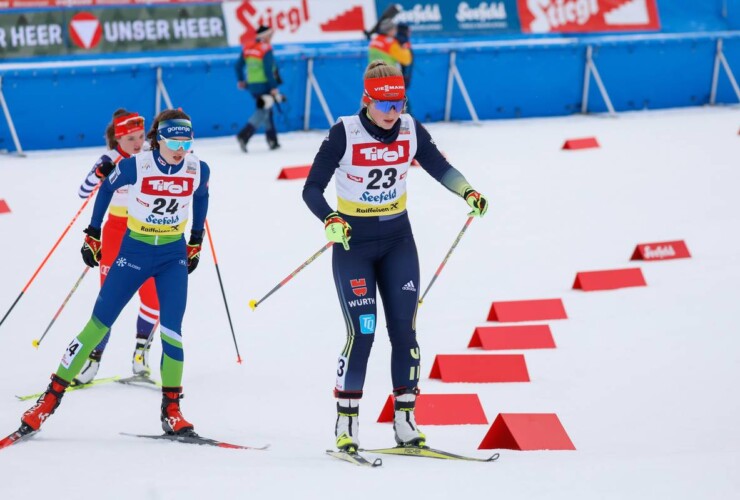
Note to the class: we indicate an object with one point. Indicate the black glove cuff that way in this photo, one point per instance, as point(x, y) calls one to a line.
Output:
point(93, 232)
point(196, 237)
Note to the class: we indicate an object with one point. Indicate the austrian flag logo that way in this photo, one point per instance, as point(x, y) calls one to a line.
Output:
point(85, 30)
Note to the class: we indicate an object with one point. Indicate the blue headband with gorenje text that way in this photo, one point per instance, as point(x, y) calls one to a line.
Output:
point(175, 128)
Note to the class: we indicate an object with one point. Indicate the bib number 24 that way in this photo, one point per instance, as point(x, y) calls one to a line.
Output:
point(161, 203)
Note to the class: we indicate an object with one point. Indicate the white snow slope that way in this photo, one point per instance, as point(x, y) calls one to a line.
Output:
point(644, 380)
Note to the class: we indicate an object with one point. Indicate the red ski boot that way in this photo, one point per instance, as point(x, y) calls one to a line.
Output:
point(173, 423)
point(46, 404)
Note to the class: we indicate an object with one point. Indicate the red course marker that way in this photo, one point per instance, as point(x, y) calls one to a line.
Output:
point(526, 431)
point(527, 310)
point(4, 208)
point(442, 409)
point(663, 250)
point(298, 172)
point(584, 143)
point(512, 337)
point(609, 280)
point(480, 368)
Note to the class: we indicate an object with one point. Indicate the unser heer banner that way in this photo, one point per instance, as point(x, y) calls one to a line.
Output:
point(109, 30)
point(299, 21)
point(588, 16)
point(456, 18)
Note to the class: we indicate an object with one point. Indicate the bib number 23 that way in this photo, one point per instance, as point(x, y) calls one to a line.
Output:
point(376, 175)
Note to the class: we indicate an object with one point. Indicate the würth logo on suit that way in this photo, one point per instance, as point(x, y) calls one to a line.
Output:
point(359, 287)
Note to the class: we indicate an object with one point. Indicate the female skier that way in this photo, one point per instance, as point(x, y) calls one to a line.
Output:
point(370, 153)
point(125, 138)
point(162, 184)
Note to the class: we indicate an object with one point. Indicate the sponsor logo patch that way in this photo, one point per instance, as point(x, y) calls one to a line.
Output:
point(359, 287)
point(166, 186)
point(382, 197)
point(374, 154)
point(367, 301)
point(367, 323)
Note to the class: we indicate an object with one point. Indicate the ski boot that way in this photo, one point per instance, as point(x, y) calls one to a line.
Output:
point(173, 423)
point(45, 405)
point(272, 141)
point(347, 427)
point(140, 363)
point(244, 135)
point(89, 369)
point(404, 423)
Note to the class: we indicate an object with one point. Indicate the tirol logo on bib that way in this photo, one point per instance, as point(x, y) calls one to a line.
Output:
point(167, 186)
point(375, 154)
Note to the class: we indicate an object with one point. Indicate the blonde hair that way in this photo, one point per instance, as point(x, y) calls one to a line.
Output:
point(379, 69)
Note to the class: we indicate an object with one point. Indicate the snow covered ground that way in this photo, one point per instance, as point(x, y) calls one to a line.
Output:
point(644, 380)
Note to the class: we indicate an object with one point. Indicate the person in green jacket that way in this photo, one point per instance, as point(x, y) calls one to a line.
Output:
point(261, 79)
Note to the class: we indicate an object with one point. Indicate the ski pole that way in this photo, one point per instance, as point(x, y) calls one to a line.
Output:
point(442, 265)
point(37, 342)
point(223, 293)
point(64, 233)
point(254, 303)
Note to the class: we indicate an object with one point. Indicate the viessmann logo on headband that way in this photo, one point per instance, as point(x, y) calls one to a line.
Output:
point(388, 88)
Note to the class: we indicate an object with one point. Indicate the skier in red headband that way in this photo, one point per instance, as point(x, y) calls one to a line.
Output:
point(370, 153)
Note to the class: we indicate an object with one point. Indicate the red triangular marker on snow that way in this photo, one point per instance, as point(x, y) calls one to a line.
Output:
point(480, 368)
point(663, 250)
point(526, 431)
point(512, 337)
point(584, 143)
point(442, 409)
point(590, 281)
point(298, 172)
point(527, 310)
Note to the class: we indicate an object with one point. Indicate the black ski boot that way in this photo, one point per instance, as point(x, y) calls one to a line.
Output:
point(244, 135)
point(272, 139)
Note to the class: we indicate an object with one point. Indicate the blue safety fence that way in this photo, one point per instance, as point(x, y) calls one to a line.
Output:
point(68, 104)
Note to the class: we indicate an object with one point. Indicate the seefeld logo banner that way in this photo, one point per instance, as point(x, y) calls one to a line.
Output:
point(588, 16)
point(455, 17)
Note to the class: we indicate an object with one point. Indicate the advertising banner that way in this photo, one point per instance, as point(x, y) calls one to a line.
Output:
point(109, 30)
point(588, 16)
point(40, 33)
point(454, 18)
point(25, 4)
point(145, 29)
point(299, 21)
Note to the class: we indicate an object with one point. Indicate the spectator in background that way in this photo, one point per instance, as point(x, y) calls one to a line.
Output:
point(262, 80)
point(392, 45)
point(386, 47)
